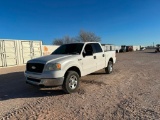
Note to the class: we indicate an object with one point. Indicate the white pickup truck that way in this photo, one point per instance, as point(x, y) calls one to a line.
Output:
point(67, 64)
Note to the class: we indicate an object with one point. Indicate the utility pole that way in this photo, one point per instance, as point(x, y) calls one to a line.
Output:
point(153, 44)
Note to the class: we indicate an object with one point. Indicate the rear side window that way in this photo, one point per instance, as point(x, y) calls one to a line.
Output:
point(97, 47)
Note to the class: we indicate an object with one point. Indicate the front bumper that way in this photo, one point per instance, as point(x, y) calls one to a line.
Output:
point(35, 79)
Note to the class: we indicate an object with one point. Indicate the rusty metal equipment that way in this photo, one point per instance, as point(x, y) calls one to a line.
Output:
point(129, 48)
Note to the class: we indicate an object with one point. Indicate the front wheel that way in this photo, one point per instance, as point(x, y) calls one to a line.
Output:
point(109, 68)
point(71, 82)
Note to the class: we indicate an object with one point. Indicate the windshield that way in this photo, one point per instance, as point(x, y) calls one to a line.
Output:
point(74, 48)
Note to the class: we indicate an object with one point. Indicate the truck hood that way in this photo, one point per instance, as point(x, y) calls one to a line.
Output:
point(49, 58)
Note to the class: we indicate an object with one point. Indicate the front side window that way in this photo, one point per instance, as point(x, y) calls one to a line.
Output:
point(88, 50)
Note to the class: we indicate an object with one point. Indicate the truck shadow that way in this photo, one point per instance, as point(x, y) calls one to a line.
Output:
point(151, 52)
point(99, 72)
point(102, 72)
point(12, 85)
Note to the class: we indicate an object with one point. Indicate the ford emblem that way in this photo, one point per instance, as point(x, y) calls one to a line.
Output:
point(33, 67)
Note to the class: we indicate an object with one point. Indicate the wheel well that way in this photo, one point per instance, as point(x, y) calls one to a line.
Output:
point(74, 68)
point(111, 59)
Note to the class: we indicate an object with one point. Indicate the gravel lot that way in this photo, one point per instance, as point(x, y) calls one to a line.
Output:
point(132, 91)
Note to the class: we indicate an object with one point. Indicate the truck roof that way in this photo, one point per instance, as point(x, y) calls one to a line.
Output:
point(83, 42)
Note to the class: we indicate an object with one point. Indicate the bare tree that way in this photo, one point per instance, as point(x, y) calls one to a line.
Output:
point(68, 39)
point(58, 42)
point(82, 37)
point(87, 37)
point(64, 40)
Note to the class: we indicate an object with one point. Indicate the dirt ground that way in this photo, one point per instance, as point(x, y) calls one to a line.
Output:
point(132, 91)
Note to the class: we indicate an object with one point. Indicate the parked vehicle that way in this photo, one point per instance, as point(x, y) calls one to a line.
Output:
point(157, 48)
point(129, 48)
point(67, 64)
point(123, 48)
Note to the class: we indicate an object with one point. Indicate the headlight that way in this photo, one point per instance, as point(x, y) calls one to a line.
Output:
point(52, 66)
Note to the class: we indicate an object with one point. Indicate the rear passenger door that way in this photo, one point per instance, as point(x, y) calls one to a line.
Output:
point(99, 55)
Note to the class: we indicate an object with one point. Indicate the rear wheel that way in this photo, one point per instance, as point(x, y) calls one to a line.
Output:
point(109, 68)
point(71, 82)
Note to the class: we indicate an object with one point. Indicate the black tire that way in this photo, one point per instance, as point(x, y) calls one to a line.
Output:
point(109, 68)
point(70, 85)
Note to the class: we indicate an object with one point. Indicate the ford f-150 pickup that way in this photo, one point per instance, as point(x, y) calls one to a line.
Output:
point(67, 64)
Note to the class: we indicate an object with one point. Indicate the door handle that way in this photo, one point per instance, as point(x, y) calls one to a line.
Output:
point(94, 57)
point(103, 55)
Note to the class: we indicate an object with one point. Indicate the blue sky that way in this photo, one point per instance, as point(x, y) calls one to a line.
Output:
point(117, 22)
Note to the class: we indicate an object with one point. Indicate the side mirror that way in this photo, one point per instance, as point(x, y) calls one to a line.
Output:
point(84, 54)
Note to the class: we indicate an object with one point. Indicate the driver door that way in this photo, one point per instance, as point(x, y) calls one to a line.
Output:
point(88, 61)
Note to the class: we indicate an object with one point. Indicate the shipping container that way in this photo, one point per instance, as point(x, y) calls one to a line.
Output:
point(18, 52)
point(108, 47)
point(135, 48)
point(117, 48)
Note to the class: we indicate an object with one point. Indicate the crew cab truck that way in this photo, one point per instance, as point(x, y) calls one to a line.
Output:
point(67, 64)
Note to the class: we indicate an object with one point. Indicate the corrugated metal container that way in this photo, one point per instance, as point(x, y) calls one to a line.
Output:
point(30, 50)
point(108, 47)
point(48, 49)
point(8, 53)
point(112, 47)
point(18, 52)
point(117, 48)
point(1, 55)
point(135, 48)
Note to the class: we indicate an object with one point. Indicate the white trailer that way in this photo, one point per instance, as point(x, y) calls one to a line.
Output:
point(135, 48)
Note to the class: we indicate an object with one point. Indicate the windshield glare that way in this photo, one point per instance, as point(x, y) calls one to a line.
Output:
point(75, 48)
